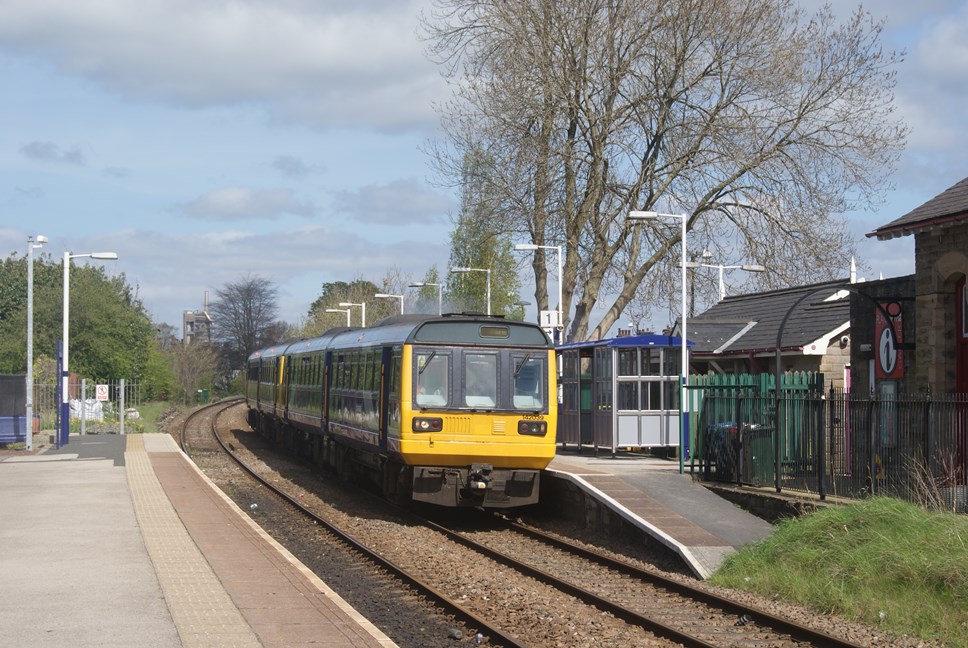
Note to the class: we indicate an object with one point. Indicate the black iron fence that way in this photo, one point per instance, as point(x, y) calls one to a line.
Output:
point(912, 446)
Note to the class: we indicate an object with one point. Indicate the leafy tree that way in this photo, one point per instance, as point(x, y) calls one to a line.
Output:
point(429, 298)
point(109, 329)
point(478, 241)
point(158, 378)
point(244, 315)
point(756, 121)
point(333, 293)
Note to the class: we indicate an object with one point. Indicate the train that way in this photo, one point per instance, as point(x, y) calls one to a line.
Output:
point(456, 410)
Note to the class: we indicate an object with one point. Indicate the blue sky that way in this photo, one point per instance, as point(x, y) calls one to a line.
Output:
point(205, 139)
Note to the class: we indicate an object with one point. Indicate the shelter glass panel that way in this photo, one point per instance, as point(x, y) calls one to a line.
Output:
point(628, 362)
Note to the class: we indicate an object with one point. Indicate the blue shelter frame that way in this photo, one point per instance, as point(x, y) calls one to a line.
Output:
point(620, 393)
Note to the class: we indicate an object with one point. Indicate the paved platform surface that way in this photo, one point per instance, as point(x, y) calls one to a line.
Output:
point(650, 494)
point(121, 541)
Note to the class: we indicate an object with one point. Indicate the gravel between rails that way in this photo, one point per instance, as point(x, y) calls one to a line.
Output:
point(539, 615)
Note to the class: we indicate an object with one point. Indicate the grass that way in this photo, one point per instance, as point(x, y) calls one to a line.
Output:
point(881, 561)
point(151, 413)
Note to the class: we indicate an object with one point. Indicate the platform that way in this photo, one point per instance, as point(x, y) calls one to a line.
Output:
point(651, 494)
point(121, 541)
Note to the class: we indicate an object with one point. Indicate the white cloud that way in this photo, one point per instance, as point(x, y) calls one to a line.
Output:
point(234, 203)
point(331, 64)
point(400, 202)
point(172, 271)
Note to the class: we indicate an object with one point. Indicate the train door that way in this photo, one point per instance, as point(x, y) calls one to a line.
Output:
point(324, 414)
point(386, 372)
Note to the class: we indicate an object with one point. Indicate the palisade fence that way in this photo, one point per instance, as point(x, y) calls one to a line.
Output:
point(84, 403)
point(845, 444)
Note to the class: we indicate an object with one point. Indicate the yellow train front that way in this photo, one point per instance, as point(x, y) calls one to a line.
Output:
point(454, 410)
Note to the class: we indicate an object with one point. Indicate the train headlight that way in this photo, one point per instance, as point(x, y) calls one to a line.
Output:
point(532, 428)
point(428, 424)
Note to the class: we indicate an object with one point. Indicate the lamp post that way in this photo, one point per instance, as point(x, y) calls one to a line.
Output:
point(488, 271)
point(561, 302)
point(722, 285)
point(389, 296)
point(341, 310)
point(684, 362)
point(362, 311)
point(65, 371)
point(440, 293)
point(32, 243)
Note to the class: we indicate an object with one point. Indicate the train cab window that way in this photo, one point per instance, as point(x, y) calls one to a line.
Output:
point(528, 379)
point(480, 380)
point(433, 379)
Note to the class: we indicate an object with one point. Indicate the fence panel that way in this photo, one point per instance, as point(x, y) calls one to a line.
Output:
point(851, 445)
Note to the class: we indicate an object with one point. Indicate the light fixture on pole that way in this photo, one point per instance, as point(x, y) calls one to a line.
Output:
point(721, 267)
point(488, 271)
point(440, 293)
point(523, 247)
point(341, 310)
point(362, 311)
point(389, 296)
point(65, 430)
point(684, 361)
point(32, 244)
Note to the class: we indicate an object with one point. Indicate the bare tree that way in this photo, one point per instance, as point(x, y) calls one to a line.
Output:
point(757, 122)
point(194, 365)
point(244, 314)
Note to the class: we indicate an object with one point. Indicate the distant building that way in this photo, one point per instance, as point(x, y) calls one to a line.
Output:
point(197, 325)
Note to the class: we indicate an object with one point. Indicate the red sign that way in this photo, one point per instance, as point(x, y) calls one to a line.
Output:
point(888, 359)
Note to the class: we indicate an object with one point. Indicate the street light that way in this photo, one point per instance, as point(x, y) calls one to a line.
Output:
point(341, 310)
point(440, 293)
point(32, 243)
point(362, 311)
point(488, 271)
point(65, 371)
point(684, 362)
point(722, 285)
point(561, 302)
point(389, 296)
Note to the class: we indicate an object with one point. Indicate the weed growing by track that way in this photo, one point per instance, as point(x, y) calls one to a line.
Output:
point(882, 561)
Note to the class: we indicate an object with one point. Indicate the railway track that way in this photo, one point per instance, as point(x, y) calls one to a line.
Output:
point(670, 612)
point(495, 634)
point(666, 607)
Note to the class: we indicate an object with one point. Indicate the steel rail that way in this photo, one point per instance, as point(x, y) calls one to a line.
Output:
point(495, 634)
point(757, 615)
point(760, 618)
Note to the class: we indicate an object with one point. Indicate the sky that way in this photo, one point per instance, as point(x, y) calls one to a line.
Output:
point(206, 140)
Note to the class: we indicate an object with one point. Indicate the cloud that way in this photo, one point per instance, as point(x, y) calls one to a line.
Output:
point(400, 202)
point(116, 172)
point(240, 203)
point(329, 64)
point(50, 152)
point(293, 167)
point(172, 271)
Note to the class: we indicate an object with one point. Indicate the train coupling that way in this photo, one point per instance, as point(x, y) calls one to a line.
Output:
point(479, 479)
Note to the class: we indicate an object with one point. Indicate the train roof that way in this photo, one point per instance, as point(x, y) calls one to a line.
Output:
point(469, 329)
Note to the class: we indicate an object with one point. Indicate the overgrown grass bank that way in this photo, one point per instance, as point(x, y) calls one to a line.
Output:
point(882, 561)
point(151, 414)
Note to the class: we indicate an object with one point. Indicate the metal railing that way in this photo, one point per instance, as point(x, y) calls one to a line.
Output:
point(912, 446)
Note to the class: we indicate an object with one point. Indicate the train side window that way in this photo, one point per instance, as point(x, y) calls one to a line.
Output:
point(432, 382)
point(480, 380)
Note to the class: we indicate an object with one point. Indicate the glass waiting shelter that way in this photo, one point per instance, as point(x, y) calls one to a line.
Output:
point(620, 393)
